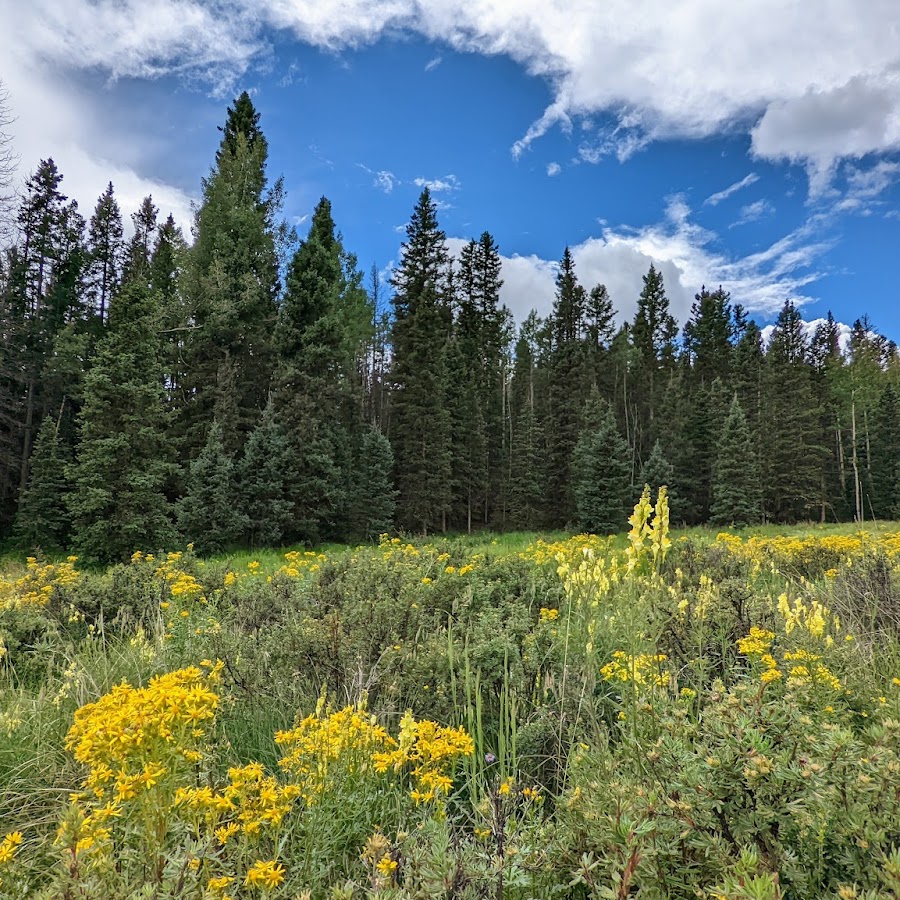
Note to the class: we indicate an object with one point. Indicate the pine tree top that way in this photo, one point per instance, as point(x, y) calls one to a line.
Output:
point(242, 119)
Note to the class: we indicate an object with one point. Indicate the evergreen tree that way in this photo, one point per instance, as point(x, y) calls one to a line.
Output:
point(118, 503)
point(658, 472)
point(735, 486)
point(653, 335)
point(231, 284)
point(208, 514)
point(43, 520)
point(44, 304)
point(569, 384)
point(600, 331)
point(526, 486)
point(470, 463)
point(708, 335)
point(263, 477)
point(374, 497)
point(166, 266)
point(484, 333)
point(320, 339)
point(601, 474)
point(792, 450)
point(105, 248)
point(140, 247)
point(526, 463)
point(419, 417)
point(885, 457)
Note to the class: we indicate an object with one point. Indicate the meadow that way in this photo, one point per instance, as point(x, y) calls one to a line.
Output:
point(694, 714)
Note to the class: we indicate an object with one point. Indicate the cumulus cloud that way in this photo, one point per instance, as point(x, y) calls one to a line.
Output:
point(50, 121)
point(813, 85)
point(809, 329)
point(553, 168)
point(688, 258)
point(719, 196)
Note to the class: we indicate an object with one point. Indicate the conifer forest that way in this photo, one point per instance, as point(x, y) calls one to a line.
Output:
point(321, 584)
point(248, 388)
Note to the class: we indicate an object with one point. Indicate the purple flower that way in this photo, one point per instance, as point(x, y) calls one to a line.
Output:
point(490, 758)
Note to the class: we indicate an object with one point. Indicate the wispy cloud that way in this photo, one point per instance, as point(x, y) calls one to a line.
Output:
point(719, 196)
point(432, 64)
point(752, 212)
point(382, 179)
point(437, 185)
point(554, 168)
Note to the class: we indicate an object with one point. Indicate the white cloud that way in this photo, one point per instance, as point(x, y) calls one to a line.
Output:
point(432, 64)
point(719, 196)
point(554, 168)
point(50, 122)
point(752, 212)
point(436, 185)
point(385, 180)
point(812, 83)
point(809, 329)
point(686, 255)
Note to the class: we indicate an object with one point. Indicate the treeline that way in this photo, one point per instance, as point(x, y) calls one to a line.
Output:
point(250, 388)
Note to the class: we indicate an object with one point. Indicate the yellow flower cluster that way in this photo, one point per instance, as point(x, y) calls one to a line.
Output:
point(757, 642)
point(298, 564)
point(329, 741)
point(265, 874)
point(430, 750)
point(757, 645)
point(812, 617)
point(809, 670)
point(36, 585)
point(549, 615)
point(649, 530)
point(569, 551)
point(130, 737)
point(644, 669)
point(9, 846)
point(813, 552)
point(251, 802)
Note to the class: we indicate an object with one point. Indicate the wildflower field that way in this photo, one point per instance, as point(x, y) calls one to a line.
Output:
point(653, 715)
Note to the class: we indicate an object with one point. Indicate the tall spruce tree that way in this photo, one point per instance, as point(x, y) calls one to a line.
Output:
point(374, 497)
point(658, 472)
point(208, 516)
point(43, 519)
point(792, 450)
point(653, 336)
point(708, 335)
point(735, 485)
point(419, 417)
point(569, 384)
point(526, 502)
point(45, 306)
point(483, 331)
point(263, 477)
point(885, 456)
point(123, 459)
point(140, 247)
point(601, 473)
point(231, 285)
point(320, 339)
point(105, 249)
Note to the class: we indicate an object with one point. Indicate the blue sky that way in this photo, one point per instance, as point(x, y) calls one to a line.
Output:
point(755, 148)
